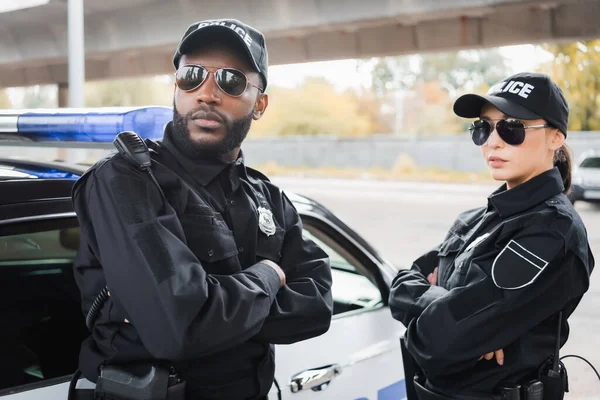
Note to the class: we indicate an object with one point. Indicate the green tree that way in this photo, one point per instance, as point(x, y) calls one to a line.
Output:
point(455, 71)
point(315, 107)
point(392, 73)
point(419, 90)
point(576, 69)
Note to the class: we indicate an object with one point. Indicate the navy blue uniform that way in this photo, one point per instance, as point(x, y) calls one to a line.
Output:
point(187, 272)
point(505, 271)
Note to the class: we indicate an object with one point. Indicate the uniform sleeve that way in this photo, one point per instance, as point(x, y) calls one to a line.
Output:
point(411, 292)
point(508, 293)
point(179, 311)
point(303, 307)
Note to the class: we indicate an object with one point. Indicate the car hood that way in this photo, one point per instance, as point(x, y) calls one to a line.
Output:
point(587, 173)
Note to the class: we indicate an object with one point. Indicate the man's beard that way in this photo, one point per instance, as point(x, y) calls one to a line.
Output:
point(235, 133)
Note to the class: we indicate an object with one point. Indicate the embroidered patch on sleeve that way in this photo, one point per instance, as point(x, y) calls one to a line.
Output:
point(516, 267)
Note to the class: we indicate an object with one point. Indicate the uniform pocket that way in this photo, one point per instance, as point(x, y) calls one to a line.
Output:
point(446, 257)
point(203, 215)
point(450, 246)
point(209, 242)
point(269, 247)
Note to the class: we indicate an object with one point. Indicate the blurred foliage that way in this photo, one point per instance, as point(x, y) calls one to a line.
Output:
point(39, 96)
point(576, 69)
point(427, 110)
point(419, 91)
point(130, 92)
point(404, 169)
point(315, 107)
point(455, 72)
point(5, 100)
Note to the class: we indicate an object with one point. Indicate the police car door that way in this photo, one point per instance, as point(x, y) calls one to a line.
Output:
point(359, 357)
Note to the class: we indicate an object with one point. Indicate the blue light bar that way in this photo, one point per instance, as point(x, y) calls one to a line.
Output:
point(48, 173)
point(83, 124)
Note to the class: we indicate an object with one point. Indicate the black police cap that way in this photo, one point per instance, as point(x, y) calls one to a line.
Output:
point(524, 96)
point(253, 41)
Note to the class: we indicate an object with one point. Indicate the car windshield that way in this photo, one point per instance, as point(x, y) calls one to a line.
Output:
point(591, 162)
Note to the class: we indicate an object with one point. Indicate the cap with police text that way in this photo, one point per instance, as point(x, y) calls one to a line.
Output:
point(524, 96)
point(253, 41)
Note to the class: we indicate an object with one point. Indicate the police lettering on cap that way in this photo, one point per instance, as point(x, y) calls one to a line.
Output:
point(253, 41)
point(522, 96)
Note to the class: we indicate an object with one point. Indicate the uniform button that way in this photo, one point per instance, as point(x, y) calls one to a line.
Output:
point(241, 249)
point(232, 203)
point(211, 253)
point(279, 254)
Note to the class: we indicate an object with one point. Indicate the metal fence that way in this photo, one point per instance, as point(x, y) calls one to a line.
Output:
point(449, 152)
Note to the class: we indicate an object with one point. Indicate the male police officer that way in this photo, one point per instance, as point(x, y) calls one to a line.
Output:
point(208, 269)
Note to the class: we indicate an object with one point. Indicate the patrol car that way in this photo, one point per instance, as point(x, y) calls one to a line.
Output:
point(586, 178)
point(359, 358)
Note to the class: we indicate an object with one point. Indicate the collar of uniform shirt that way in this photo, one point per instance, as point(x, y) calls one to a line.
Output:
point(204, 170)
point(528, 194)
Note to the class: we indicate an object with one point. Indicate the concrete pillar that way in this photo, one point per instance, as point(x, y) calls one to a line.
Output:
point(76, 53)
point(63, 94)
point(63, 154)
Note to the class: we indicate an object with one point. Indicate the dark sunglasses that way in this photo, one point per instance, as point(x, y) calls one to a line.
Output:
point(512, 131)
point(229, 80)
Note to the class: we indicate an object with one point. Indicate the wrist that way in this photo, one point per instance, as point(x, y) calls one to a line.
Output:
point(277, 269)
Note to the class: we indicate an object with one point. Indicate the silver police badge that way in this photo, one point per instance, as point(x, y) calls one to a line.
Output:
point(265, 221)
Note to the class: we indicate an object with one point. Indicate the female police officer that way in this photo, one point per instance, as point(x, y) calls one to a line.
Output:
point(481, 310)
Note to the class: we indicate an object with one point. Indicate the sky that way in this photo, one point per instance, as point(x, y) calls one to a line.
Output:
point(345, 74)
point(12, 5)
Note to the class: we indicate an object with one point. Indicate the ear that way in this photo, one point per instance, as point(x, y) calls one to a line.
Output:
point(261, 105)
point(556, 139)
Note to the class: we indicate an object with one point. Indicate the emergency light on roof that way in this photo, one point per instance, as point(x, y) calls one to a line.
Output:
point(83, 124)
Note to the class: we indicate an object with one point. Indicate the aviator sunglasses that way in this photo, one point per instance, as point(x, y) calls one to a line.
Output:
point(512, 131)
point(229, 80)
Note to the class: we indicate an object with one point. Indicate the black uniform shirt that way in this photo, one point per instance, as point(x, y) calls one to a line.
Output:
point(186, 272)
point(505, 271)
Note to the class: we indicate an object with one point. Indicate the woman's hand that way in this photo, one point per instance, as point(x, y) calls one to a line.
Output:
point(432, 278)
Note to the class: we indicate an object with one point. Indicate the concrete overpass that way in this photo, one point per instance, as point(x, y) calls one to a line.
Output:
point(138, 37)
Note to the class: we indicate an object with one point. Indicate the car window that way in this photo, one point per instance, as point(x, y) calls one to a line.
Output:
point(591, 162)
point(40, 312)
point(42, 246)
point(352, 290)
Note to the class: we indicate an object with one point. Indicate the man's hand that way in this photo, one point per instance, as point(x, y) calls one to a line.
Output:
point(499, 356)
point(432, 278)
point(277, 269)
